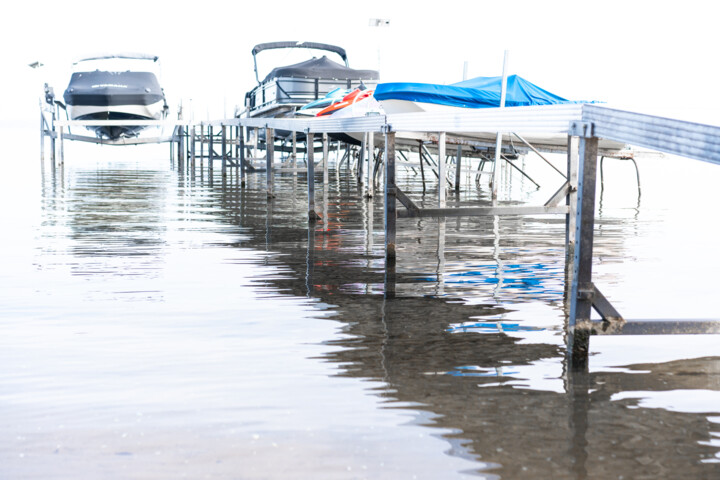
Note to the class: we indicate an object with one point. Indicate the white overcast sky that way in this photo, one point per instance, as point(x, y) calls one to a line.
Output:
point(657, 57)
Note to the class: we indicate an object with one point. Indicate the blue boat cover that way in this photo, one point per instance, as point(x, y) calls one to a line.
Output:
point(480, 92)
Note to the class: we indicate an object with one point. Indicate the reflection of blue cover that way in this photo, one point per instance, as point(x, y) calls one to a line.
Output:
point(480, 92)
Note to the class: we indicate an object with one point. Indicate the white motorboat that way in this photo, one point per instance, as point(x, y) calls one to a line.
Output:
point(116, 87)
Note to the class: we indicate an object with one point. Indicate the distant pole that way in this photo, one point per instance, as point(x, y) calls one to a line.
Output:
point(498, 142)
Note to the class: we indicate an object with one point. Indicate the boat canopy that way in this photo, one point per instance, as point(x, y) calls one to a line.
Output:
point(314, 45)
point(322, 68)
point(480, 92)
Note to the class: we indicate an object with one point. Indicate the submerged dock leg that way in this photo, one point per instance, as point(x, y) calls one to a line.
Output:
point(442, 176)
point(370, 157)
point(211, 150)
point(312, 214)
point(270, 153)
point(241, 154)
point(458, 168)
point(192, 148)
point(326, 160)
point(223, 139)
point(584, 295)
point(390, 213)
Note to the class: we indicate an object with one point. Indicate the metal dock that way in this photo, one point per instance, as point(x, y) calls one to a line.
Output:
point(424, 142)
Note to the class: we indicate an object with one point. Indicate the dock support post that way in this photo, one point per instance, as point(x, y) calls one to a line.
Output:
point(223, 139)
point(52, 139)
point(193, 139)
point(294, 152)
point(581, 300)
point(442, 176)
point(361, 161)
point(390, 212)
point(211, 151)
point(42, 137)
point(422, 167)
point(571, 218)
point(370, 157)
point(181, 147)
point(270, 153)
point(585, 295)
point(325, 151)
point(458, 168)
point(202, 146)
point(309, 139)
point(241, 145)
point(62, 146)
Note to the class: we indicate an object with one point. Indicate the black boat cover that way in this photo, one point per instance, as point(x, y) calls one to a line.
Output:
point(102, 88)
point(322, 68)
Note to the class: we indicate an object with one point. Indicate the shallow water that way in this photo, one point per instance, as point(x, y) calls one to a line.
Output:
point(160, 324)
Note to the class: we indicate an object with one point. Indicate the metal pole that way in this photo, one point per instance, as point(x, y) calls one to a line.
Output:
point(202, 146)
point(192, 147)
point(370, 158)
point(325, 158)
point(294, 151)
point(241, 143)
point(309, 139)
point(181, 147)
point(62, 147)
point(442, 180)
point(390, 213)
point(422, 167)
point(571, 219)
point(42, 137)
point(223, 149)
point(458, 167)
point(498, 142)
point(581, 299)
point(270, 152)
point(211, 149)
point(361, 163)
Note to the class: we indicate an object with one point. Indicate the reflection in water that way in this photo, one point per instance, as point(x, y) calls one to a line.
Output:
point(469, 347)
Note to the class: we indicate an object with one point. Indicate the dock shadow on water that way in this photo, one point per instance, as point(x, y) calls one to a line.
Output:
point(174, 325)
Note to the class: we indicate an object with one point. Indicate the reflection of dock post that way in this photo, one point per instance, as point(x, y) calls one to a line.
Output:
point(309, 139)
point(581, 299)
point(294, 152)
point(269, 154)
point(390, 212)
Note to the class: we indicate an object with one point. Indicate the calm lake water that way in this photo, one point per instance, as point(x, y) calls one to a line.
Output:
point(159, 324)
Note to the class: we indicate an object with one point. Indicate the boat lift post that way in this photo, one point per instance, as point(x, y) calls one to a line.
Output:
point(442, 176)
